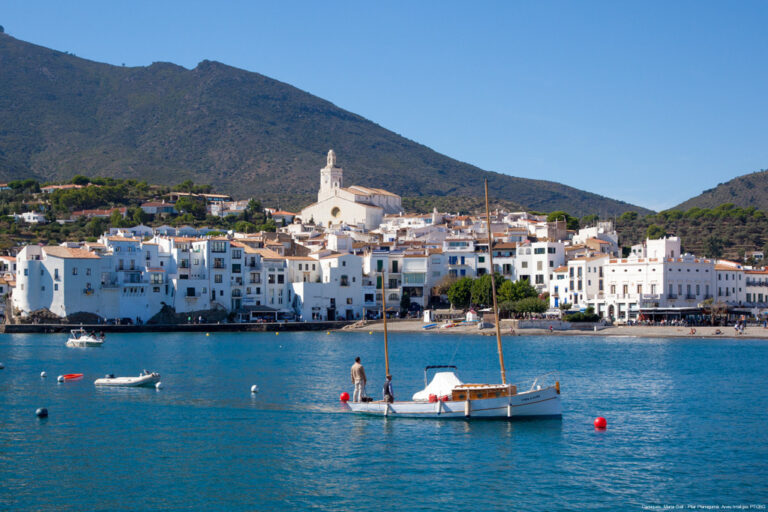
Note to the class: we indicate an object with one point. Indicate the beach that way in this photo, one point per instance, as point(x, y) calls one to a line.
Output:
point(640, 331)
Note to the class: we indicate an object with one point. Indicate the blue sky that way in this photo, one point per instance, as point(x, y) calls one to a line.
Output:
point(648, 102)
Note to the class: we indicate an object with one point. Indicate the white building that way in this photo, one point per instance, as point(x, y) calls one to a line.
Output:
point(354, 206)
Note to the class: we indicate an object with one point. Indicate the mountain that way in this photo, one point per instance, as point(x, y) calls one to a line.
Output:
point(744, 191)
point(248, 134)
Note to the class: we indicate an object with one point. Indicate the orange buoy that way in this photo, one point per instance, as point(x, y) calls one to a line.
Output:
point(600, 422)
point(344, 397)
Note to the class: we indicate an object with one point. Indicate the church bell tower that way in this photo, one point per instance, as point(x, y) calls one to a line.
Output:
point(331, 178)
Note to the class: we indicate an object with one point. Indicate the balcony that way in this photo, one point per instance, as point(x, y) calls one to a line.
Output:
point(219, 265)
point(690, 296)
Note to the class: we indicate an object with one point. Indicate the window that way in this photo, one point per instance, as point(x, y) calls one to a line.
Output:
point(551, 250)
point(349, 300)
point(539, 265)
point(299, 266)
point(540, 279)
point(280, 279)
point(74, 271)
point(525, 265)
point(87, 271)
point(26, 272)
point(235, 268)
point(539, 250)
point(56, 274)
point(625, 289)
point(344, 281)
point(156, 289)
point(481, 259)
point(55, 287)
point(218, 278)
point(237, 254)
point(218, 246)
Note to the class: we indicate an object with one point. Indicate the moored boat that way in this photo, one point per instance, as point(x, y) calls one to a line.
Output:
point(448, 397)
point(145, 379)
point(81, 338)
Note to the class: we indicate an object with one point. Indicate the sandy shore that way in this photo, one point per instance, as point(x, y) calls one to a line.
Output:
point(635, 331)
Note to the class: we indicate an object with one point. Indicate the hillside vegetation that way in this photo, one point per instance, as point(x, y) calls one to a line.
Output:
point(744, 191)
point(248, 134)
point(725, 231)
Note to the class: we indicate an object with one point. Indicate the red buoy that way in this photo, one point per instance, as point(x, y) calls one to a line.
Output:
point(444, 398)
point(344, 397)
point(432, 398)
point(600, 422)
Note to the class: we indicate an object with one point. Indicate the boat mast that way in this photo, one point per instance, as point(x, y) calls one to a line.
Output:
point(384, 316)
point(493, 288)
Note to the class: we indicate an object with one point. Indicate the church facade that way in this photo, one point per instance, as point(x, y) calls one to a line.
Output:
point(355, 205)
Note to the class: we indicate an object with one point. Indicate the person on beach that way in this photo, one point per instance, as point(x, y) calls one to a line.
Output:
point(389, 395)
point(357, 373)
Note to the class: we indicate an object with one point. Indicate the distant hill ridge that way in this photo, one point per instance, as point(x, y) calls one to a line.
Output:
point(744, 191)
point(248, 134)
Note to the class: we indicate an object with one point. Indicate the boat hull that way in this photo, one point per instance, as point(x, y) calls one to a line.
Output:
point(530, 404)
point(129, 382)
point(84, 344)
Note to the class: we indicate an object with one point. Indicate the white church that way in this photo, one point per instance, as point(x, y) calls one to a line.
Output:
point(355, 205)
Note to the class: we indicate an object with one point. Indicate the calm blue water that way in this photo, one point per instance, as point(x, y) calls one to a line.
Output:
point(686, 425)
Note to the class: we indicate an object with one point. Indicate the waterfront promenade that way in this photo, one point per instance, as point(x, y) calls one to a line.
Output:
point(634, 330)
point(225, 327)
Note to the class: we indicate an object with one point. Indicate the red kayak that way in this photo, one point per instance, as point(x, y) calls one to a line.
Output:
point(73, 376)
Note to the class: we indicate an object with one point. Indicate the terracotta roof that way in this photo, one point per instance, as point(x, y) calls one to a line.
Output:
point(724, 267)
point(282, 212)
point(298, 258)
point(121, 239)
point(561, 269)
point(265, 253)
point(66, 252)
point(156, 269)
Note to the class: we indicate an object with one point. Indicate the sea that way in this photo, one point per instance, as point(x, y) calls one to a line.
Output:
point(687, 425)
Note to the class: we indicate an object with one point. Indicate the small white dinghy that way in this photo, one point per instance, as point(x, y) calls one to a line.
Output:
point(146, 379)
point(80, 338)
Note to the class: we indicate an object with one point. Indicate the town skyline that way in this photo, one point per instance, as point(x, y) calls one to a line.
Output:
point(599, 97)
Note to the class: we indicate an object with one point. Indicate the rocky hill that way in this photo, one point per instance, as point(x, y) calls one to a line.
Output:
point(743, 191)
point(248, 134)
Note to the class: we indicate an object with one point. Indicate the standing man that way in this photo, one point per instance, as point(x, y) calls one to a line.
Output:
point(358, 378)
point(389, 395)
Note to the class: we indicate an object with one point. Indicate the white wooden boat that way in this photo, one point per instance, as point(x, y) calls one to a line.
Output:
point(81, 338)
point(146, 379)
point(448, 397)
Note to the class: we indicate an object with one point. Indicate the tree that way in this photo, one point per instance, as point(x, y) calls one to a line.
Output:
point(589, 219)
point(655, 232)
point(139, 216)
point(196, 207)
point(714, 246)
point(444, 285)
point(116, 219)
point(460, 293)
point(79, 179)
point(628, 216)
point(482, 293)
point(516, 290)
point(245, 227)
point(95, 227)
point(559, 215)
point(405, 303)
point(530, 305)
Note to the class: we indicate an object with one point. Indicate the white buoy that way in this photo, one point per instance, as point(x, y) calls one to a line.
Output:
point(43, 375)
point(254, 389)
point(159, 385)
point(60, 378)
